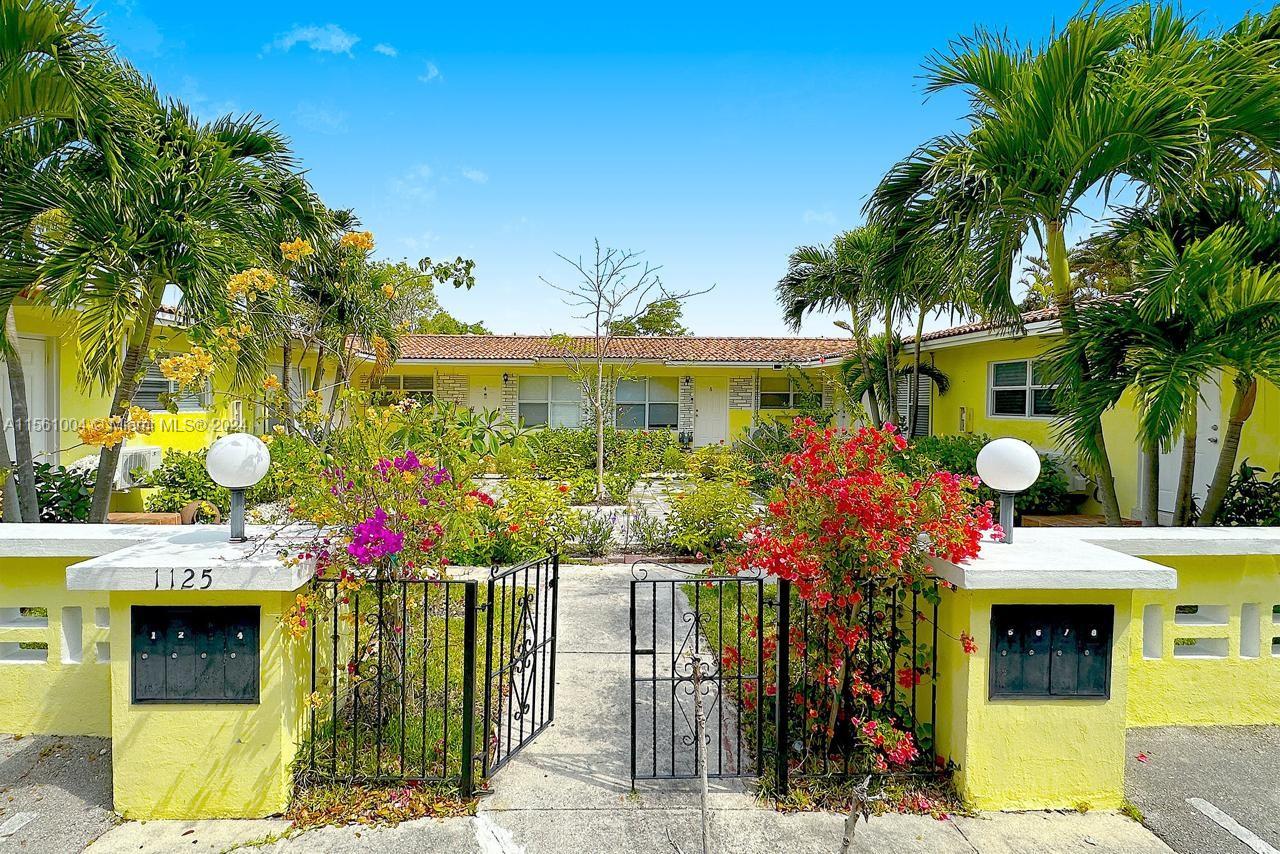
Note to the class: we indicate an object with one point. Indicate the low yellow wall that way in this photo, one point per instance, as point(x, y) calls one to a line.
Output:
point(67, 693)
point(1029, 754)
point(195, 761)
point(1239, 597)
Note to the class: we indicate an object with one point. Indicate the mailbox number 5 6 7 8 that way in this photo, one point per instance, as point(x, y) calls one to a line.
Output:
point(186, 579)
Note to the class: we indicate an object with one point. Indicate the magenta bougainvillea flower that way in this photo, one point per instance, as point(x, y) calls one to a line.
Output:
point(372, 540)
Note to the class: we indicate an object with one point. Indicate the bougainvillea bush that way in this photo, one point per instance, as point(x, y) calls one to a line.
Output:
point(853, 534)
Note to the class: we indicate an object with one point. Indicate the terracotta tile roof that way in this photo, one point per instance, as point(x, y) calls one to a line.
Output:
point(638, 348)
point(1037, 316)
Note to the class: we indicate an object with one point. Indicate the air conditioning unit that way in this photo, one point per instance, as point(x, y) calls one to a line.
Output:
point(1077, 481)
point(134, 462)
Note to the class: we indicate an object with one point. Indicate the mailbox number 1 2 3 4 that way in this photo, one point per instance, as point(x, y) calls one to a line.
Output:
point(186, 579)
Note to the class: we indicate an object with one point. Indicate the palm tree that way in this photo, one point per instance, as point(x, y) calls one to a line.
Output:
point(847, 276)
point(885, 351)
point(184, 208)
point(1132, 94)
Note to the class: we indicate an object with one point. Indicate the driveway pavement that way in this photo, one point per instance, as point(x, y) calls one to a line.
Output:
point(55, 793)
point(1208, 790)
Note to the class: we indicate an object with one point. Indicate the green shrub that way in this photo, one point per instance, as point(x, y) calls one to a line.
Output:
point(591, 534)
point(1250, 500)
point(673, 459)
point(959, 454)
point(295, 463)
point(762, 449)
point(64, 494)
point(648, 533)
point(709, 517)
point(717, 462)
point(181, 479)
point(531, 518)
point(561, 452)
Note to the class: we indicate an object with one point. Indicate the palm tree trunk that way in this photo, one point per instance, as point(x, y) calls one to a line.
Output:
point(1187, 466)
point(860, 341)
point(1064, 299)
point(1241, 408)
point(24, 461)
point(1151, 487)
point(130, 375)
point(915, 376)
point(318, 376)
point(890, 365)
point(12, 509)
point(286, 378)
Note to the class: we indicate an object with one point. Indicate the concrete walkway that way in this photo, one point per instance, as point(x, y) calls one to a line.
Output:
point(570, 791)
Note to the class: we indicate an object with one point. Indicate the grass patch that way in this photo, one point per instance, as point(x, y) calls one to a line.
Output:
point(1130, 809)
point(913, 795)
point(321, 806)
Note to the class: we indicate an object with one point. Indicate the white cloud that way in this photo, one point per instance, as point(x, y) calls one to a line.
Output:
point(420, 243)
point(320, 118)
point(385, 49)
point(329, 38)
point(822, 217)
point(432, 73)
point(415, 185)
point(193, 95)
point(476, 176)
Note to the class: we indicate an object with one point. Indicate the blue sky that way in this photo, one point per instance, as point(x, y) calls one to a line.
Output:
point(714, 137)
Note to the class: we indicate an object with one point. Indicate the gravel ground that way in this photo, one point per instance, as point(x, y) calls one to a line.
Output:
point(1233, 768)
point(62, 784)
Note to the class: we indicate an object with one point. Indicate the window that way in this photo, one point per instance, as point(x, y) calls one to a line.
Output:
point(1020, 389)
point(786, 393)
point(393, 388)
point(652, 403)
point(154, 384)
point(1051, 651)
point(299, 385)
point(549, 402)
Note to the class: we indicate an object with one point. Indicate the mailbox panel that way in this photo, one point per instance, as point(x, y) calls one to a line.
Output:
point(1050, 651)
point(195, 654)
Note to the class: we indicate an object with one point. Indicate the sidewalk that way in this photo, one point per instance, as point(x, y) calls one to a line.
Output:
point(570, 791)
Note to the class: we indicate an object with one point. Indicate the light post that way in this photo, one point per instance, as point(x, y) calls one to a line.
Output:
point(1008, 466)
point(237, 461)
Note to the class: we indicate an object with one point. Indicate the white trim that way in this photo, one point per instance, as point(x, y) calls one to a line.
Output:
point(1031, 330)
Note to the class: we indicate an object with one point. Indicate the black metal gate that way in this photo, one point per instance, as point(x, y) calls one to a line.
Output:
point(725, 646)
point(695, 648)
point(423, 680)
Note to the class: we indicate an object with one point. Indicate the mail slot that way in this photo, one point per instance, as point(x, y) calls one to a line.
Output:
point(1051, 651)
point(195, 654)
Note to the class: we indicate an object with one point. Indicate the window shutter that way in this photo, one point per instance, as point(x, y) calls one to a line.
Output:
point(922, 409)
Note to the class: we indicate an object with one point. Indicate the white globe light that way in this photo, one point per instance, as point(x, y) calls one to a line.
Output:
point(1008, 465)
point(237, 461)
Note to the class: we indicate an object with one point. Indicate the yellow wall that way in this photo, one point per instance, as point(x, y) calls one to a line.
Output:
point(75, 405)
point(967, 366)
point(1029, 754)
point(207, 760)
point(56, 696)
point(1237, 689)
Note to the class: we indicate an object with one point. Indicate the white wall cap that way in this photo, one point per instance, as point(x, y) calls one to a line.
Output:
point(194, 558)
point(71, 540)
point(1098, 558)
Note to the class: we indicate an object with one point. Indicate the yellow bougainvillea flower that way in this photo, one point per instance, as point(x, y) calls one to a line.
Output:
point(381, 351)
point(388, 291)
point(296, 250)
point(361, 240)
point(188, 369)
point(140, 421)
point(251, 282)
point(271, 383)
point(105, 432)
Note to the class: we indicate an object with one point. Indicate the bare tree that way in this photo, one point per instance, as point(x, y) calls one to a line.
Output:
point(612, 289)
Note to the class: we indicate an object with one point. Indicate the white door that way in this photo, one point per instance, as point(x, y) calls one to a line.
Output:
point(485, 393)
point(710, 410)
point(1208, 441)
point(44, 441)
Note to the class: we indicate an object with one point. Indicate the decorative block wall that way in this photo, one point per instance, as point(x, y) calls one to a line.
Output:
point(453, 388)
point(685, 414)
point(742, 392)
point(510, 396)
